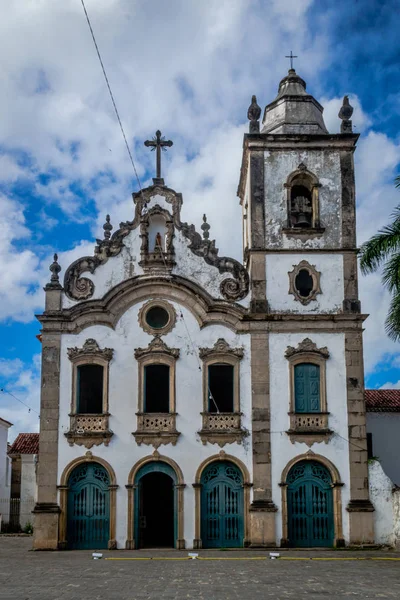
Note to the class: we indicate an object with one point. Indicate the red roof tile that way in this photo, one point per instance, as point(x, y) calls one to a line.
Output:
point(25, 443)
point(382, 400)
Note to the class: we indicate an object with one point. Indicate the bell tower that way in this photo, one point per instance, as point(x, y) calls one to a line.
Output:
point(297, 192)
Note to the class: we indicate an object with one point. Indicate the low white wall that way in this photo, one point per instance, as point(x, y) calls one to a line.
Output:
point(28, 493)
point(386, 499)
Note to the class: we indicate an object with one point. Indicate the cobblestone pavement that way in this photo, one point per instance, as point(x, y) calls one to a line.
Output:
point(26, 575)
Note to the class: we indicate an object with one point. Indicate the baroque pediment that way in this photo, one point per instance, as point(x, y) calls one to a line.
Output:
point(147, 202)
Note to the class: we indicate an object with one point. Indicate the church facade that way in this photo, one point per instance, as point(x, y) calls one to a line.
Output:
point(192, 401)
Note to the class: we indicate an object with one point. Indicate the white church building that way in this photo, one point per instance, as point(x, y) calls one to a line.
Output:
point(191, 401)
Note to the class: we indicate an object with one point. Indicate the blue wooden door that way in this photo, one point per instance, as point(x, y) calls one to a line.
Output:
point(307, 386)
point(222, 506)
point(88, 510)
point(310, 506)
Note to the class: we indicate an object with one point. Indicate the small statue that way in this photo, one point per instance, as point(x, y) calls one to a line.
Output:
point(253, 114)
point(158, 244)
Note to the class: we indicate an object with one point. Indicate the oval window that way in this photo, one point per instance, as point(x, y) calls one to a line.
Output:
point(304, 283)
point(157, 317)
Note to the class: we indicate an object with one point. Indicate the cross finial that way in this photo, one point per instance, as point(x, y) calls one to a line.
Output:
point(158, 143)
point(291, 56)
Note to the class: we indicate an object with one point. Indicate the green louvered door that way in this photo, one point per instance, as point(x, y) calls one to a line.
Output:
point(222, 506)
point(88, 507)
point(307, 386)
point(310, 506)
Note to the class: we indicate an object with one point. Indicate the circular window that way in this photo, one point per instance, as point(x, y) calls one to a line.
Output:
point(157, 317)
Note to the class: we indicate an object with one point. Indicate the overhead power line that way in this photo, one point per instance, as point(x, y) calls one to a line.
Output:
point(21, 401)
point(111, 95)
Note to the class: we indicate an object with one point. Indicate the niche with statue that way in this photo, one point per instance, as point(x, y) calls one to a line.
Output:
point(157, 252)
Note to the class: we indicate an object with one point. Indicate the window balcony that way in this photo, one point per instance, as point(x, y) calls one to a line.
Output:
point(222, 428)
point(156, 429)
point(89, 430)
point(309, 428)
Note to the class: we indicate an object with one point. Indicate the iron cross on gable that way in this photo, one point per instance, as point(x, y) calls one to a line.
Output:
point(158, 143)
point(291, 56)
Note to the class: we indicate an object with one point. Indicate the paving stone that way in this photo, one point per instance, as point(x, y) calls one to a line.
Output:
point(74, 575)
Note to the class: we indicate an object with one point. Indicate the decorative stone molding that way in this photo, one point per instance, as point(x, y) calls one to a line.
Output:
point(221, 347)
point(156, 347)
point(159, 260)
point(232, 288)
point(221, 429)
point(308, 346)
point(309, 428)
point(90, 349)
point(162, 304)
point(305, 178)
point(316, 285)
point(89, 430)
point(155, 429)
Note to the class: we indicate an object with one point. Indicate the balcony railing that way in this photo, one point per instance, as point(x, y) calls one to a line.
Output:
point(309, 421)
point(89, 429)
point(156, 429)
point(222, 428)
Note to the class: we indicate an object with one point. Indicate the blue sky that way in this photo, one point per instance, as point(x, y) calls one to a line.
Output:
point(190, 69)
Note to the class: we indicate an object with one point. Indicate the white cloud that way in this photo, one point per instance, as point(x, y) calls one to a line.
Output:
point(391, 386)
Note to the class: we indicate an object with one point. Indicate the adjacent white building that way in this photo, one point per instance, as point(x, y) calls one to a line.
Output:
point(189, 400)
point(5, 472)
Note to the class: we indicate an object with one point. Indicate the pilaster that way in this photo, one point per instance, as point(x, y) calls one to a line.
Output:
point(262, 509)
point(46, 511)
point(257, 233)
point(351, 302)
point(360, 507)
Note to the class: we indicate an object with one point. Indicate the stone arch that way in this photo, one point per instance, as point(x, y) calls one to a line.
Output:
point(222, 456)
point(132, 486)
point(337, 495)
point(109, 309)
point(63, 488)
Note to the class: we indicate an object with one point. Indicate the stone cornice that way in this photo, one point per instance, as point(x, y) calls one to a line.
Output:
point(89, 349)
point(309, 347)
point(221, 347)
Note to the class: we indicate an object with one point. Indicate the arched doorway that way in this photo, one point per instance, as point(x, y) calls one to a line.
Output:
point(222, 522)
point(155, 506)
point(88, 507)
point(310, 505)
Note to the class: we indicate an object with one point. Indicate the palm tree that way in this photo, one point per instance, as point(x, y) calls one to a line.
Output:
point(384, 248)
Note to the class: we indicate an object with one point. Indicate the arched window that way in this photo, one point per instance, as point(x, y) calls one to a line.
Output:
point(303, 200)
point(156, 388)
point(307, 397)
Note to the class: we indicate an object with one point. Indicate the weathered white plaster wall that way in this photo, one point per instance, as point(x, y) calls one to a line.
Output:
point(326, 166)
point(385, 428)
point(282, 450)
point(382, 497)
point(123, 452)
point(329, 265)
point(28, 494)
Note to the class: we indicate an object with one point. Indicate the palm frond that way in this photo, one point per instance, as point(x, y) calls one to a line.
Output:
point(377, 249)
point(392, 323)
point(391, 273)
point(397, 181)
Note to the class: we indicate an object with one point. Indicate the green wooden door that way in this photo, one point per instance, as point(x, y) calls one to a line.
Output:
point(88, 509)
point(307, 386)
point(310, 506)
point(222, 506)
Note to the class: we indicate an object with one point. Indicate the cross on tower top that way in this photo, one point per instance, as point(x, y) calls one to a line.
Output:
point(158, 143)
point(291, 56)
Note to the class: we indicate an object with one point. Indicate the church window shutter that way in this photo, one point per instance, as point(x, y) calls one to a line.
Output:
point(307, 388)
